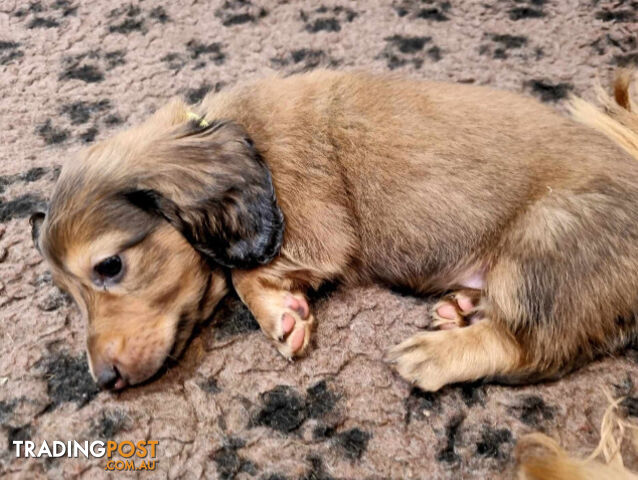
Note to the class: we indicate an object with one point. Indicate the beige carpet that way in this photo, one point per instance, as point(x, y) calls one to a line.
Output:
point(73, 72)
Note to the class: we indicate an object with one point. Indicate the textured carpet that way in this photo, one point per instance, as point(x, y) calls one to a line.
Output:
point(72, 73)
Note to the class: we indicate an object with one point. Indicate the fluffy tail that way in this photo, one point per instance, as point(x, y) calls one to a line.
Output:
point(617, 117)
point(541, 458)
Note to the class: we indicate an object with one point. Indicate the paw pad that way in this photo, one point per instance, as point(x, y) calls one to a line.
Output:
point(458, 309)
point(295, 326)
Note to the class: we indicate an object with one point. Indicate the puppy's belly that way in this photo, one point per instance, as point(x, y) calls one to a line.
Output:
point(426, 281)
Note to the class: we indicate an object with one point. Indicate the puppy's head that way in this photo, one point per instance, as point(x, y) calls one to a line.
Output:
point(140, 228)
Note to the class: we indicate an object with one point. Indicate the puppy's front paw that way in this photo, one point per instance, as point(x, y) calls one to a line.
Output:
point(291, 325)
point(295, 326)
point(423, 358)
point(434, 359)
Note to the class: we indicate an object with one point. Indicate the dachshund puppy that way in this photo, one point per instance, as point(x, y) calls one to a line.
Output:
point(526, 218)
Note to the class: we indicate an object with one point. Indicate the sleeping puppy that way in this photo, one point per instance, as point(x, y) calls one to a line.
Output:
point(526, 218)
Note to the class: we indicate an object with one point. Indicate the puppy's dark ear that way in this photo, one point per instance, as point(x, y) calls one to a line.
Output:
point(214, 187)
point(35, 221)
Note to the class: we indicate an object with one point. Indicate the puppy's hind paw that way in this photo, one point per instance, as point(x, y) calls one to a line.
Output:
point(457, 309)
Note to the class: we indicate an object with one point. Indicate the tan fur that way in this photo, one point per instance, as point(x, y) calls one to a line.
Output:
point(379, 179)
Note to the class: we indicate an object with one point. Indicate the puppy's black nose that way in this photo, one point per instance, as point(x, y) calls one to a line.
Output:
point(108, 377)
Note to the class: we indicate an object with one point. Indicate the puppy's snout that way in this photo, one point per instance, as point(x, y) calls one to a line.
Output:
point(109, 378)
point(104, 364)
point(123, 359)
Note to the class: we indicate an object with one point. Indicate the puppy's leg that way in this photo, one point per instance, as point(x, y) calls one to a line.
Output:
point(281, 310)
point(434, 359)
point(561, 290)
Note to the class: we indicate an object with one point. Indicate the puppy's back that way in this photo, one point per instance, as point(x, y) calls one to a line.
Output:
point(427, 171)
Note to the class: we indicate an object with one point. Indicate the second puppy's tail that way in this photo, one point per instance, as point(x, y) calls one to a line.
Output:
point(617, 117)
point(539, 457)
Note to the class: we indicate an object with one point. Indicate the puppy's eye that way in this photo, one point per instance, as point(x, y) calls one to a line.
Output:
point(109, 267)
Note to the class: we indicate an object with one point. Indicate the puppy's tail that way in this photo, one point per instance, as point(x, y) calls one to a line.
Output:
point(617, 117)
point(539, 457)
